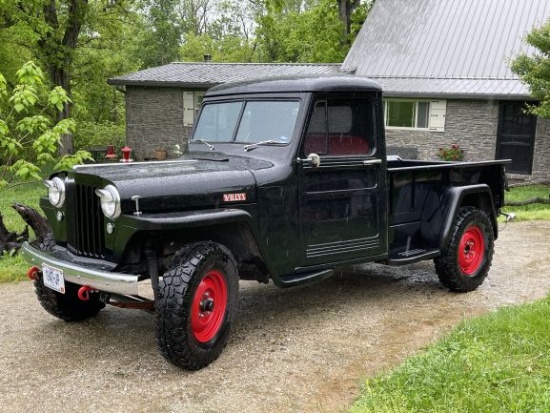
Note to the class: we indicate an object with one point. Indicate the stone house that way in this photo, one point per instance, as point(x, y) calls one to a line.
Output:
point(162, 102)
point(443, 66)
point(444, 69)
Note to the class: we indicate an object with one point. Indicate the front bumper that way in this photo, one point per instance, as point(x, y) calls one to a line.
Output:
point(119, 283)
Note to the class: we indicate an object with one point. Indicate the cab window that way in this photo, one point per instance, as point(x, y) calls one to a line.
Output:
point(341, 127)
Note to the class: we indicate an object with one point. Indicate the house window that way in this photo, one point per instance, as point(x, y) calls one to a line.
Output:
point(192, 101)
point(415, 114)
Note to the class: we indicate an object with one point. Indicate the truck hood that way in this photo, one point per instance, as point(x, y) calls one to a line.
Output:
point(185, 183)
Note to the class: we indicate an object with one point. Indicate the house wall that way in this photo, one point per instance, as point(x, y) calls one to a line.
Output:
point(541, 158)
point(154, 118)
point(473, 125)
point(470, 124)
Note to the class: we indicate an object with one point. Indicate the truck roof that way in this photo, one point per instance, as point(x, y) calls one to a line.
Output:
point(297, 84)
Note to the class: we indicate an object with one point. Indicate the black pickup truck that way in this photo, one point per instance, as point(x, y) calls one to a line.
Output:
point(284, 180)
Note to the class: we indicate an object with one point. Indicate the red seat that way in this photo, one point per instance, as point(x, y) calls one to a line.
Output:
point(337, 145)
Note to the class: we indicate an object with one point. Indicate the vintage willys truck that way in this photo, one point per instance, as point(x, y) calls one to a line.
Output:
point(285, 180)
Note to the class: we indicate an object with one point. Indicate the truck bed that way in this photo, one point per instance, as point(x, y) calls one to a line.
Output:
point(420, 200)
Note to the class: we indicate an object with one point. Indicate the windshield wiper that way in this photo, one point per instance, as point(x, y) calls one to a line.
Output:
point(262, 143)
point(211, 147)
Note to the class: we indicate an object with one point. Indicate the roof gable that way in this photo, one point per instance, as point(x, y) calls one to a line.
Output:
point(465, 44)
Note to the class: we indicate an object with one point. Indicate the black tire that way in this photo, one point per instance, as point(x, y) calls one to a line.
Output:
point(193, 319)
point(466, 260)
point(68, 306)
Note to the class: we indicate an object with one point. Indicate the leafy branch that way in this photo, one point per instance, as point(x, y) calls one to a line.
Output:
point(29, 134)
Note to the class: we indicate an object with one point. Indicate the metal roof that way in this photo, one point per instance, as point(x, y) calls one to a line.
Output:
point(456, 48)
point(206, 75)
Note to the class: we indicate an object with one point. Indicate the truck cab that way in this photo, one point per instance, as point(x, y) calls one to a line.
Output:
point(318, 199)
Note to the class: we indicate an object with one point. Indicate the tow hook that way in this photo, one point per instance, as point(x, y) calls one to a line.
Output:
point(33, 273)
point(84, 292)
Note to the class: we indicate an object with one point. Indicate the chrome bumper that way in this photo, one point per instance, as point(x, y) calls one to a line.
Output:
point(113, 282)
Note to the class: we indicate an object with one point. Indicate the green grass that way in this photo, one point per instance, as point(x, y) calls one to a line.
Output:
point(529, 212)
point(496, 363)
point(14, 268)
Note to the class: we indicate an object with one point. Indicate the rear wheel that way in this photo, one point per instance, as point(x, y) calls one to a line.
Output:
point(197, 303)
point(466, 260)
point(67, 306)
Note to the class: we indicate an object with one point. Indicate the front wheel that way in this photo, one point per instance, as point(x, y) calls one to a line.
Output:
point(197, 303)
point(466, 260)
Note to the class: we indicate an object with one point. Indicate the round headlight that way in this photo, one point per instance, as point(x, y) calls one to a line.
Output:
point(56, 191)
point(110, 201)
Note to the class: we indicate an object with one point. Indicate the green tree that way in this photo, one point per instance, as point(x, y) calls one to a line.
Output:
point(51, 30)
point(160, 39)
point(109, 49)
point(195, 15)
point(312, 32)
point(228, 49)
point(534, 70)
point(29, 131)
point(226, 34)
point(346, 9)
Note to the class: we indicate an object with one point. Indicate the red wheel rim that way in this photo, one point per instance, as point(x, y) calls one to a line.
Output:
point(209, 306)
point(471, 250)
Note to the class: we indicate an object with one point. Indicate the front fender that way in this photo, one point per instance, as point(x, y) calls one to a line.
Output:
point(187, 219)
point(129, 225)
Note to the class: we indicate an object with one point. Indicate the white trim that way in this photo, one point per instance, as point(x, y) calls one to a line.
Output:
point(188, 108)
point(436, 114)
point(438, 111)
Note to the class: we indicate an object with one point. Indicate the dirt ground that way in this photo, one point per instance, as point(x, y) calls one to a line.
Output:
point(306, 349)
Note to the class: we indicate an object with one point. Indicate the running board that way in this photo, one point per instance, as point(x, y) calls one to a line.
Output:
point(413, 255)
point(297, 279)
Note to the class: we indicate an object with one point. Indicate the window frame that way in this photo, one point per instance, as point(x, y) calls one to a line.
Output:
point(328, 102)
point(430, 126)
point(192, 105)
point(244, 102)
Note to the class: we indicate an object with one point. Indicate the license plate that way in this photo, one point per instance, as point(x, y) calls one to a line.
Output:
point(53, 278)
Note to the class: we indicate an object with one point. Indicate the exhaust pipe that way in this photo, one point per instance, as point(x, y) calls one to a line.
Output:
point(509, 217)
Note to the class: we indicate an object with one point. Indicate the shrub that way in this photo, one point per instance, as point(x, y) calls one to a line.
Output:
point(454, 153)
point(90, 134)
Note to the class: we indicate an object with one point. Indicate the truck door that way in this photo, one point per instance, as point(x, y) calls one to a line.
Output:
point(343, 208)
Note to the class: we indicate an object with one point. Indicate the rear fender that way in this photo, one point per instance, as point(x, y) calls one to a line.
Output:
point(478, 196)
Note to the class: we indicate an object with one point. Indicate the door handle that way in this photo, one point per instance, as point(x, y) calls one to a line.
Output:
point(372, 162)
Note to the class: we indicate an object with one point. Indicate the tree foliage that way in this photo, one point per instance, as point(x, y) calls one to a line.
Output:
point(277, 31)
point(53, 32)
point(160, 40)
point(312, 32)
point(349, 13)
point(30, 131)
point(534, 69)
point(226, 38)
point(79, 44)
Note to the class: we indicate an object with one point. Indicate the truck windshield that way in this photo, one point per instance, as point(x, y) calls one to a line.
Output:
point(247, 122)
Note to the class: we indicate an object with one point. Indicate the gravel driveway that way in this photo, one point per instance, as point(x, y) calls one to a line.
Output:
point(305, 349)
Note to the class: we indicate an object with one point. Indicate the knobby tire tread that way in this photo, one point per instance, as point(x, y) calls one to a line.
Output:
point(447, 267)
point(68, 306)
point(174, 338)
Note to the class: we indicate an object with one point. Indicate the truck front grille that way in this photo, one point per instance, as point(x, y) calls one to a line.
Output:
point(87, 235)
